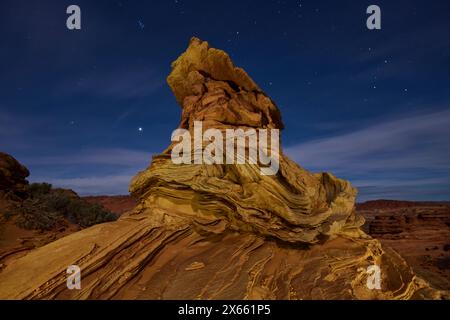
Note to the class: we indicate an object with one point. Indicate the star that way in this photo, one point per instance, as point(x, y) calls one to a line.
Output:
point(140, 129)
point(141, 24)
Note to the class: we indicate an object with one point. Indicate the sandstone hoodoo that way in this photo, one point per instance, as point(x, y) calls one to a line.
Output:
point(294, 205)
point(221, 230)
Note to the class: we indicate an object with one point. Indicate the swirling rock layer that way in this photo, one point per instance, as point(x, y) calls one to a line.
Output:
point(294, 205)
point(221, 231)
point(136, 258)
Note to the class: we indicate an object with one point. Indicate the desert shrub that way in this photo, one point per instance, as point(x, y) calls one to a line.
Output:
point(46, 208)
point(36, 215)
point(86, 214)
point(59, 201)
point(39, 189)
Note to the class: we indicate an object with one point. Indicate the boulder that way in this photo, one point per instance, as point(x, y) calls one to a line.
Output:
point(12, 176)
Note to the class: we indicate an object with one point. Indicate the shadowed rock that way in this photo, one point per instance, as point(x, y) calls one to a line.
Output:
point(12, 176)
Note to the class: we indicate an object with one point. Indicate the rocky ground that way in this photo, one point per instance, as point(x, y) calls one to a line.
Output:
point(418, 231)
point(16, 242)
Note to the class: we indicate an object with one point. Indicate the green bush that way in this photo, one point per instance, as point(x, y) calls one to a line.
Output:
point(47, 208)
point(86, 214)
point(38, 189)
point(36, 215)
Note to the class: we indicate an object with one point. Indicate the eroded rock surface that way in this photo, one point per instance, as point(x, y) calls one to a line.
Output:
point(294, 206)
point(221, 231)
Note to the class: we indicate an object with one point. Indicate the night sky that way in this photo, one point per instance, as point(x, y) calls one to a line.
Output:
point(86, 109)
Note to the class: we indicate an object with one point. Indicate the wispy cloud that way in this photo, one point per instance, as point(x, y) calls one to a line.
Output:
point(86, 171)
point(403, 153)
point(91, 171)
point(15, 129)
point(403, 157)
point(114, 156)
point(7, 125)
point(101, 185)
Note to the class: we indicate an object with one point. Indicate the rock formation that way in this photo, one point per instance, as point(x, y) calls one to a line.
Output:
point(294, 206)
point(221, 231)
point(12, 177)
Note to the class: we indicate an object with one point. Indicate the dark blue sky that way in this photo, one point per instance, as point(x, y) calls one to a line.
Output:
point(370, 106)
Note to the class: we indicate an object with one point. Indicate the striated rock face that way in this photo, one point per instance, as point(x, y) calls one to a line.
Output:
point(221, 231)
point(12, 176)
point(294, 206)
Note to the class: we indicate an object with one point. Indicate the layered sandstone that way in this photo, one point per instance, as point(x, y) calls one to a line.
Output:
point(221, 231)
point(293, 206)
